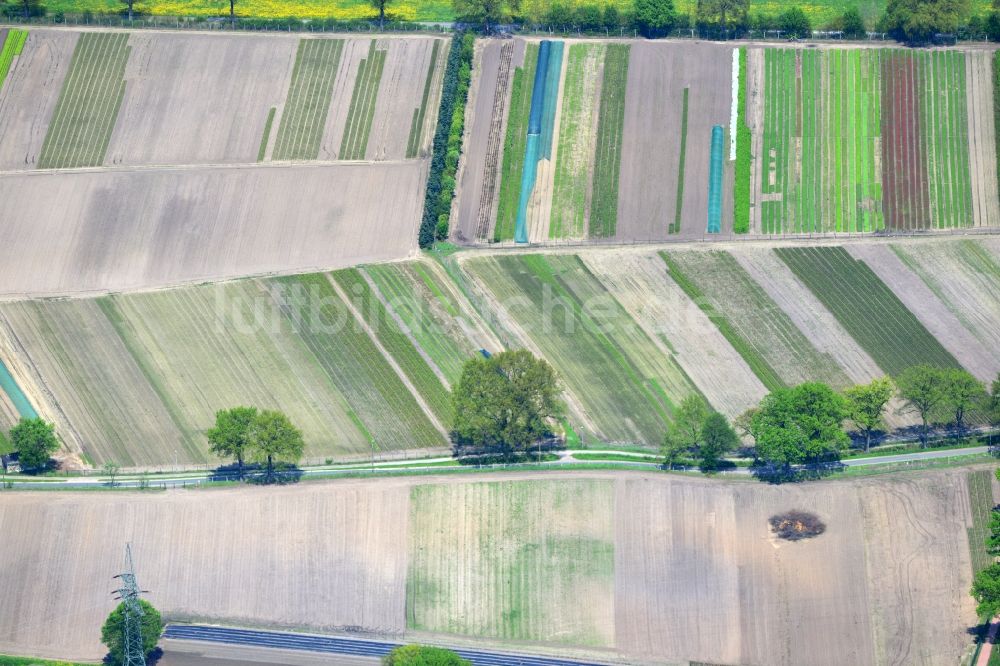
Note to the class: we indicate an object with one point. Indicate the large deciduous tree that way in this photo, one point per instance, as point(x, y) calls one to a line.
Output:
point(917, 21)
point(113, 631)
point(724, 16)
point(853, 24)
point(962, 392)
point(717, 439)
point(655, 18)
point(380, 6)
point(232, 435)
point(800, 424)
point(35, 442)
point(275, 438)
point(684, 434)
point(922, 387)
point(505, 403)
point(485, 12)
point(866, 405)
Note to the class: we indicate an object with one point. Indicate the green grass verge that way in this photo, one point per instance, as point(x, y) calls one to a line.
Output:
point(417, 124)
point(980, 485)
point(514, 143)
point(616, 457)
point(870, 311)
point(741, 187)
point(267, 135)
point(32, 661)
point(608, 153)
point(308, 101)
point(396, 343)
point(354, 143)
point(12, 46)
point(675, 226)
point(88, 105)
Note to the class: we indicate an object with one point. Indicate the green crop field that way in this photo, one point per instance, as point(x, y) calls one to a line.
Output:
point(262, 151)
point(419, 295)
point(522, 560)
point(981, 503)
point(88, 104)
point(417, 124)
point(866, 308)
point(308, 103)
point(741, 186)
point(608, 154)
point(776, 350)
point(514, 144)
point(821, 131)
point(627, 387)
point(12, 45)
point(575, 153)
point(214, 347)
point(366, 301)
point(378, 397)
point(362, 110)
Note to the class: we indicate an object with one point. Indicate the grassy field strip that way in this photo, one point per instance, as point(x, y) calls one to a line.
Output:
point(625, 385)
point(88, 104)
point(741, 187)
point(396, 343)
point(675, 226)
point(213, 347)
point(362, 110)
point(431, 314)
point(575, 155)
point(13, 43)
point(308, 102)
point(417, 125)
point(513, 151)
point(377, 396)
point(262, 151)
point(754, 324)
point(866, 308)
point(608, 156)
point(679, 328)
point(106, 407)
point(981, 503)
point(514, 560)
point(966, 279)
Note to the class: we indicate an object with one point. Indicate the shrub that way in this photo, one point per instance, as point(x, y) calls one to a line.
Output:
point(796, 525)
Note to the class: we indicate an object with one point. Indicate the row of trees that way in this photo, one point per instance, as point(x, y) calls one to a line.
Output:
point(265, 437)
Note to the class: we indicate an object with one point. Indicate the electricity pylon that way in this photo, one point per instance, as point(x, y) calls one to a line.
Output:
point(128, 593)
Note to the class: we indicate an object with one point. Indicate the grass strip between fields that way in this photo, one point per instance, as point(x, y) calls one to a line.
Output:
point(675, 226)
point(608, 155)
point(996, 104)
point(88, 105)
point(872, 314)
point(308, 101)
point(354, 143)
point(514, 142)
point(267, 135)
point(417, 124)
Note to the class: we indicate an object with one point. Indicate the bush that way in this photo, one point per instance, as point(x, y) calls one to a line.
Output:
point(796, 525)
point(794, 23)
point(853, 24)
point(655, 18)
point(422, 655)
point(447, 140)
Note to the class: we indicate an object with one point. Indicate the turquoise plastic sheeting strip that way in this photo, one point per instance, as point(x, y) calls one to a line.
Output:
point(16, 395)
point(715, 181)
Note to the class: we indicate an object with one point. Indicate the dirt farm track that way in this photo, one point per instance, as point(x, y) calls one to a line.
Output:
point(692, 572)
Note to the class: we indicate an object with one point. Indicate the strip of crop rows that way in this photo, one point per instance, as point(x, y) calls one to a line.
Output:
point(980, 487)
point(373, 389)
point(396, 343)
point(362, 111)
point(871, 313)
point(12, 46)
point(608, 154)
point(88, 105)
point(308, 102)
point(417, 124)
point(513, 147)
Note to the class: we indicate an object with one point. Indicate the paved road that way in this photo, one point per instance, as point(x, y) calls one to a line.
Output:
point(346, 646)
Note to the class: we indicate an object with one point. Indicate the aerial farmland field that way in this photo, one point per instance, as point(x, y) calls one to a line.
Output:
point(637, 568)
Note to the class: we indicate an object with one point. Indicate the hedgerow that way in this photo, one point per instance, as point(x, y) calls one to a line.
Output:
point(447, 140)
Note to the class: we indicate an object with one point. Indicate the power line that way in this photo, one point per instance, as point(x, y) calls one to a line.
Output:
point(128, 593)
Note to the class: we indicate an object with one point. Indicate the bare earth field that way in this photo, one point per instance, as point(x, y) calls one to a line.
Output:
point(115, 230)
point(696, 574)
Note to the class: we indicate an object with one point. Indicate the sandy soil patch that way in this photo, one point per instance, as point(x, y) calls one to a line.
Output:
point(115, 230)
point(197, 99)
point(928, 309)
point(30, 93)
point(982, 138)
